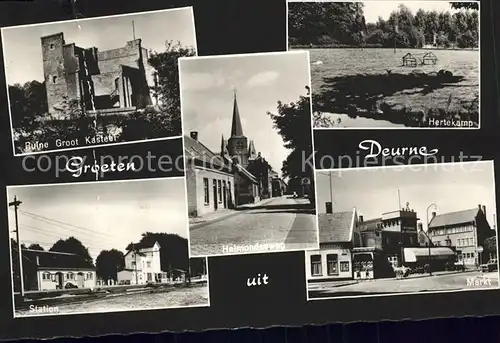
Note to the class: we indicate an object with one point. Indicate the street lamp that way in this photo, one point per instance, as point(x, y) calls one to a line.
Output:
point(433, 206)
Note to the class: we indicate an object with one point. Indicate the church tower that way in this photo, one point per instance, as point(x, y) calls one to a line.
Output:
point(237, 144)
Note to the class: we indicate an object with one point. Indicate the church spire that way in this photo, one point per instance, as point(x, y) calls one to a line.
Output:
point(236, 129)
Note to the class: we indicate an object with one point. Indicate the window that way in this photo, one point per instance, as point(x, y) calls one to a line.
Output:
point(316, 265)
point(52, 46)
point(207, 191)
point(90, 276)
point(54, 79)
point(344, 266)
point(148, 264)
point(150, 277)
point(46, 276)
point(332, 261)
point(70, 276)
point(219, 189)
point(471, 255)
point(133, 264)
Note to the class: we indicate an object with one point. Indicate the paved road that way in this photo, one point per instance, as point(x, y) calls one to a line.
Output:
point(181, 297)
point(281, 224)
point(443, 282)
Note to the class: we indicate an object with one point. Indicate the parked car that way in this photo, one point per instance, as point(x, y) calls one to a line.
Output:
point(69, 285)
point(491, 266)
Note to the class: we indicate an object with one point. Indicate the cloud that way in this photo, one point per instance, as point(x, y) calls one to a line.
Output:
point(262, 79)
point(201, 81)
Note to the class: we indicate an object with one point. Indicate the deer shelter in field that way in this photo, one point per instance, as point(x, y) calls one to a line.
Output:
point(409, 60)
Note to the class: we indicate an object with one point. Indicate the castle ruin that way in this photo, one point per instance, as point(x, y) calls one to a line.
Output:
point(110, 80)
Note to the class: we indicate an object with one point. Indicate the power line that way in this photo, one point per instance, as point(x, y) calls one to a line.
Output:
point(62, 224)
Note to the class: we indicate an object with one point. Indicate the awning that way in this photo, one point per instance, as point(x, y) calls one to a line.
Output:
point(416, 254)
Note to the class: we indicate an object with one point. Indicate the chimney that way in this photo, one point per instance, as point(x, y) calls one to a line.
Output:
point(433, 215)
point(484, 210)
point(360, 219)
point(329, 207)
point(194, 135)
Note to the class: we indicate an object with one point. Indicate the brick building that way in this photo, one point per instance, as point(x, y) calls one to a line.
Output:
point(118, 78)
point(338, 235)
point(464, 230)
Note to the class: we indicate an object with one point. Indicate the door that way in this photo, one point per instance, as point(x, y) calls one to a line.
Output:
point(215, 195)
point(60, 280)
point(80, 280)
point(224, 194)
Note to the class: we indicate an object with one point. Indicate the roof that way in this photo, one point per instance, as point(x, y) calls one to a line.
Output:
point(194, 149)
point(242, 171)
point(454, 218)
point(408, 55)
point(413, 254)
point(236, 128)
point(56, 260)
point(335, 227)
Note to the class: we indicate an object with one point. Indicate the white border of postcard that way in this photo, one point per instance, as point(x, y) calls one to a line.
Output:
point(312, 137)
point(368, 295)
point(104, 311)
point(390, 127)
point(190, 8)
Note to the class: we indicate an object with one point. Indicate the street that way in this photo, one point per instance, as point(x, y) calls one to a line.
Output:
point(281, 224)
point(179, 297)
point(425, 283)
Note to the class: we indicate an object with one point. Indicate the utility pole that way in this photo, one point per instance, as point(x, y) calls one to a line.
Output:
point(133, 29)
point(16, 204)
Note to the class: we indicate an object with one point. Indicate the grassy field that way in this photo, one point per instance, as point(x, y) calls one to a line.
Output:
point(371, 88)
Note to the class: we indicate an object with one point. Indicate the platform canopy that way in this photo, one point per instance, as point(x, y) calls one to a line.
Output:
point(418, 254)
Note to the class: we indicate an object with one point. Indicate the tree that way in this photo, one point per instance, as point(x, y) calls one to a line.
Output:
point(35, 246)
point(72, 246)
point(27, 102)
point(109, 263)
point(293, 122)
point(173, 251)
point(465, 5)
point(167, 70)
point(490, 244)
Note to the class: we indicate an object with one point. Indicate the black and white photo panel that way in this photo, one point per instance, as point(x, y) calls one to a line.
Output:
point(104, 246)
point(390, 64)
point(248, 188)
point(404, 229)
point(93, 82)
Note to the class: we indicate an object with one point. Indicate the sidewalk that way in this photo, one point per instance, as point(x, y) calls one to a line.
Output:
point(220, 215)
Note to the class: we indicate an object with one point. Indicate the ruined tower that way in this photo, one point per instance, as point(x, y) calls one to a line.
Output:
point(237, 144)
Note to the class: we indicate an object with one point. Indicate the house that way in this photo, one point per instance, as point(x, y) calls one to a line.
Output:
point(50, 270)
point(409, 60)
point(210, 178)
point(429, 58)
point(338, 235)
point(109, 79)
point(464, 230)
point(142, 266)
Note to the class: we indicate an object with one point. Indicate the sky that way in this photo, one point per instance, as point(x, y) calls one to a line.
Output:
point(107, 215)
point(260, 80)
point(23, 51)
point(373, 191)
point(374, 9)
